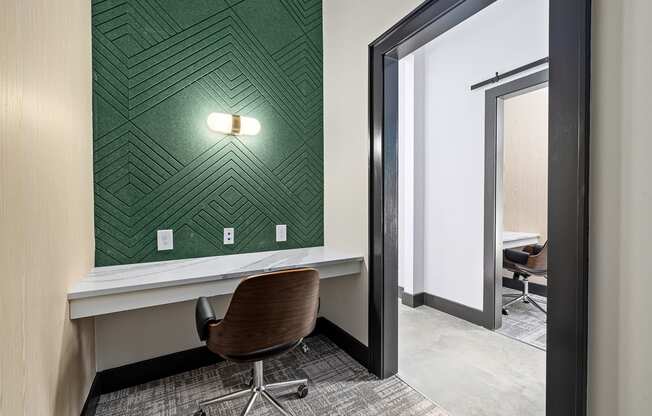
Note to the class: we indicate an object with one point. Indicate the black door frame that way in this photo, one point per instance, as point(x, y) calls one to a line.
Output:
point(569, 89)
point(493, 190)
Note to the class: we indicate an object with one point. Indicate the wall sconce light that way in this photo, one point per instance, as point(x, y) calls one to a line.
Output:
point(233, 124)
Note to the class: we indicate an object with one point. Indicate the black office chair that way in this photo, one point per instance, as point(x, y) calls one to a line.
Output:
point(530, 261)
point(269, 315)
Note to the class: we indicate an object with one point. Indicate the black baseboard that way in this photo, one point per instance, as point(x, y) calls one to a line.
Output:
point(534, 288)
point(452, 308)
point(90, 406)
point(349, 344)
point(413, 301)
point(456, 309)
point(462, 311)
point(141, 372)
point(130, 375)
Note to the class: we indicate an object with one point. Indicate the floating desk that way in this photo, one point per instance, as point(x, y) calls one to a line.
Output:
point(513, 239)
point(121, 288)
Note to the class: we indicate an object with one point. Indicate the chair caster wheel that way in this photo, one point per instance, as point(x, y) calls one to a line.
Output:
point(505, 312)
point(302, 391)
point(200, 412)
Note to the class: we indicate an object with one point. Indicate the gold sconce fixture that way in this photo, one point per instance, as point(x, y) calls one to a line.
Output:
point(233, 124)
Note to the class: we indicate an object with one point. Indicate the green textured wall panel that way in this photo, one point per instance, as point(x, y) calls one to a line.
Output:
point(159, 68)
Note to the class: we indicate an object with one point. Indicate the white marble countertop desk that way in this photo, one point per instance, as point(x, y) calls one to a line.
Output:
point(119, 288)
point(513, 239)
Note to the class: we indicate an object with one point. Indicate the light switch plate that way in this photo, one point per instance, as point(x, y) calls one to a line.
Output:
point(229, 236)
point(281, 233)
point(164, 240)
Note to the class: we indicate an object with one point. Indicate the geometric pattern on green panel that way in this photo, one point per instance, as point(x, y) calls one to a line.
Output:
point(159, 68)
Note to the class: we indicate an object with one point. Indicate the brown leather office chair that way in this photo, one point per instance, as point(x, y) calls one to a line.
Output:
point(269, 315)
point(530, 261)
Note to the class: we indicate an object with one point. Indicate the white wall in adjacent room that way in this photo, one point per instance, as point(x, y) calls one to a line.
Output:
point(411, 172)
point(406, 174)
point(505, 35)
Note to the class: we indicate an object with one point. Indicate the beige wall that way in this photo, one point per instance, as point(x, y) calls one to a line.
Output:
point(620, 341)
point(525, 165)
point(46, 361)
point(131, 336)
point(349, 27)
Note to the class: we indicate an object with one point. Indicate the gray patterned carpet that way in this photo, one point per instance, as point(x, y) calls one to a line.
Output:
point(338, 386)
point(525, 322)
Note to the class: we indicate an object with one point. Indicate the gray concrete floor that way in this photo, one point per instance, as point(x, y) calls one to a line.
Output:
point(469, 370)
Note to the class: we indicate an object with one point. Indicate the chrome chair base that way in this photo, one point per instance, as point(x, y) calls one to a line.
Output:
point(257, 390)
point(524, 297)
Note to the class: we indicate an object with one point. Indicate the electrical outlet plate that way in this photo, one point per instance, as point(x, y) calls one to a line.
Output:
point(164, 240)
point(229, 236)
point(281, 233)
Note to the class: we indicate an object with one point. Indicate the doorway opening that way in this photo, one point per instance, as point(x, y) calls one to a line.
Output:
point(448, 174)
point(569, 45)
point(516, 221)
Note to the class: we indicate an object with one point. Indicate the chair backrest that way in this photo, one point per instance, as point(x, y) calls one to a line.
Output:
point(539, 261)
point(268, 311)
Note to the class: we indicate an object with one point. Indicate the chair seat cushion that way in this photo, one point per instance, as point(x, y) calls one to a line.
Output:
point(262, 354)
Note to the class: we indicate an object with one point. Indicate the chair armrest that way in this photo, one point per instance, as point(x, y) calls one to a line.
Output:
point(204, 316)
point(516, 256)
